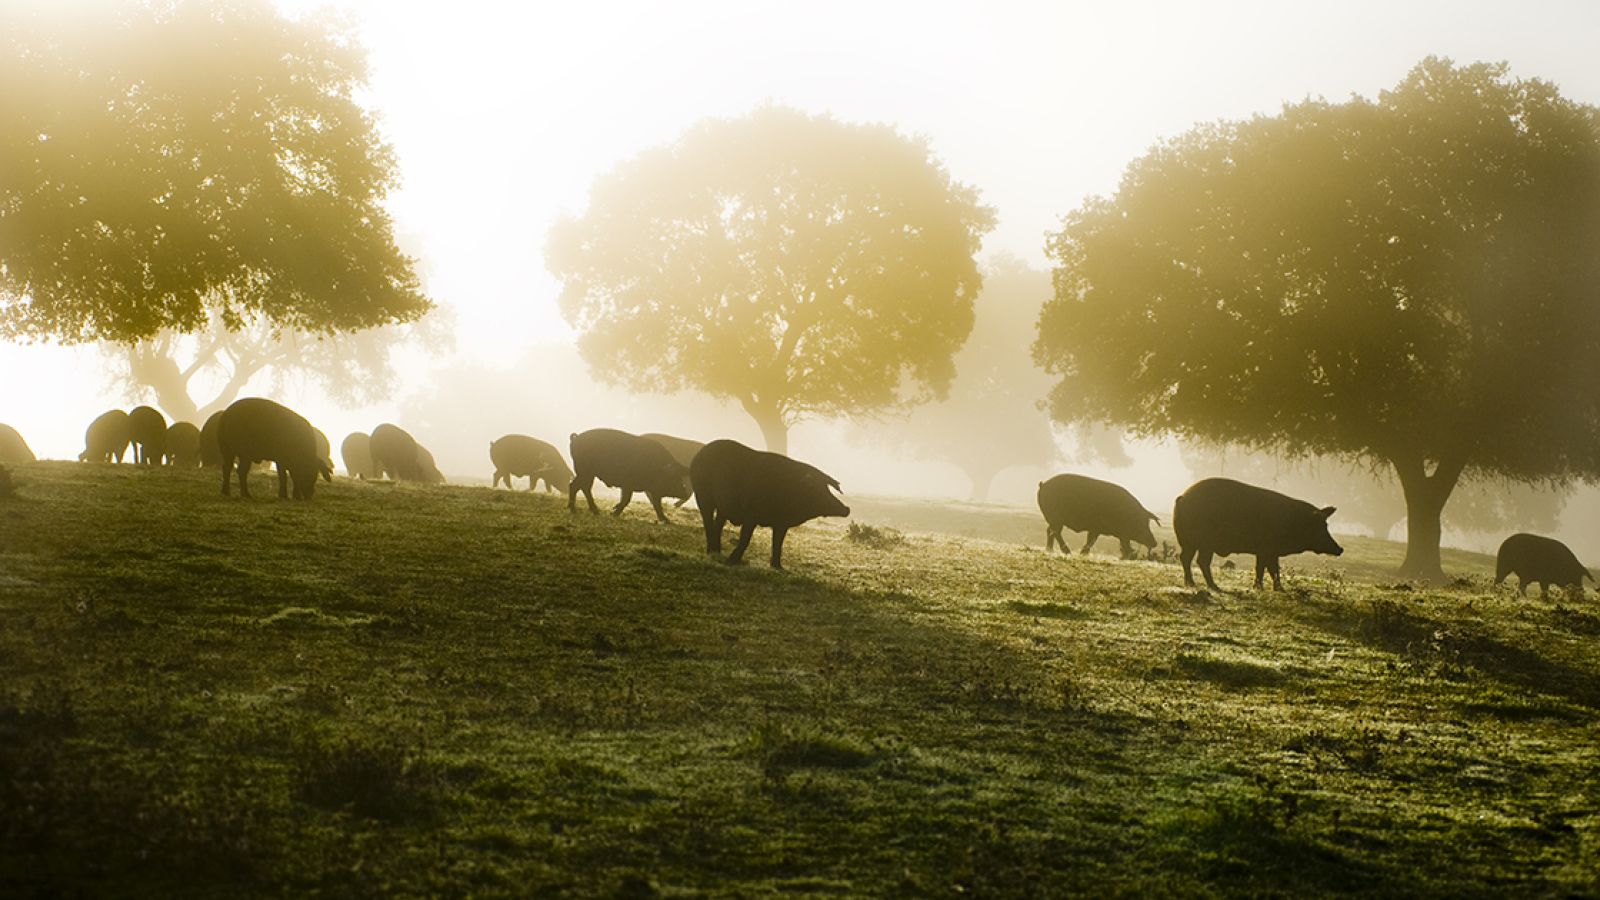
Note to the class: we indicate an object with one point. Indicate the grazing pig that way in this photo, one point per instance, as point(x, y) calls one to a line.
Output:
point(324, 453)
point(13, 449)
point(428, 472)
point(148, 430)
point(682, 450)
point(397, 455)
point(356, 450)
point(1077, 503)
point(1545, 560)
point(1219, 516)
point(210, 450)
point(183, 445)
point(255, 429)
point(520, 456)
point(624, 461)
point(754, 488)
point(106, 439)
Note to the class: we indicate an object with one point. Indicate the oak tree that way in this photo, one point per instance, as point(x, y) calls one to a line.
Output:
point(162, 162)
point(1411, 279)
point(799, 265)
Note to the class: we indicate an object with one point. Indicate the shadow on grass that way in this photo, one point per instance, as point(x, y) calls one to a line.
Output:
point(1450, 650)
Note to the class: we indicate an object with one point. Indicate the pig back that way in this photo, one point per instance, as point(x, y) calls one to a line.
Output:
point(1225, 516)
point(255, 429)
point(626, 461)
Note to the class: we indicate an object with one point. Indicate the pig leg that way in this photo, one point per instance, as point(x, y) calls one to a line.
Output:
point(1089, 544)
point(713, 526)
point(1261, 568)
point(244, 477)
point(777, 546)
point(581, 483)
point(227, 476)
point(1272, 566)
point(655, 503)
point(680, 503)
point(1052, 536)
point(1205, 569)
point(622, 504)
point(1544, 590)
point(1127, 549)
point(746, 531)
point(1187, 556)
point(283, 483)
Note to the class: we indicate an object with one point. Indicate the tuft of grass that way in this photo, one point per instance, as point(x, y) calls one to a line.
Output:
point(370, 775)
point(874, 536)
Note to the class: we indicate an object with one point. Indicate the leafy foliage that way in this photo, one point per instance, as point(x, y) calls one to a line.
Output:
point(1410, 279)
point(165, 162)
point(793, 263)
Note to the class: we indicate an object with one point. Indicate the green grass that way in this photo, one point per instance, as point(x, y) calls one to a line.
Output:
point(396, 690)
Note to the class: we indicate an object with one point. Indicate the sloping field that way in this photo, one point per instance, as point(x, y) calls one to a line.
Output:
point(395, 690)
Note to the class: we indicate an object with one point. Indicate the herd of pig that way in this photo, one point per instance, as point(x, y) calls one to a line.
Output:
point(732, 483)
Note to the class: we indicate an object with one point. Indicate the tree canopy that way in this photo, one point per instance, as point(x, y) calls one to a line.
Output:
point(796, 264)
point(1412, 279)
point(164, 161)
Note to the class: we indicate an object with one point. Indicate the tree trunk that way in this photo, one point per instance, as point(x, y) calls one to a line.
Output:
point(161, 374)
point(774, 430)
point(982, 478)
point(1425, 499)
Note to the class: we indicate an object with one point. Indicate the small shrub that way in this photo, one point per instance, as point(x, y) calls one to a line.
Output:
point(375, 777)
point(878, 538)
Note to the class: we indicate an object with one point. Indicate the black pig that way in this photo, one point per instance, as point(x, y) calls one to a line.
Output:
point(753, 489)
point(1219, 516)
point(210, 450)
point(1077, 503)
point(519, 456)
point(183, 445)
point(254, 429)
point(148, 430)
point(394, 453)
point(1544, 560)
point(682, 450)
point(107, 437)
point(13, 449)
point(624, 461)
point(356, 450)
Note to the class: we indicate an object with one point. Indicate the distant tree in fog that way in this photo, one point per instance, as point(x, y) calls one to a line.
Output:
point(1411, 279)
point(190, 376)
point(991, 419)
point(170, 164)
point(798, 265)
point(1372, 499)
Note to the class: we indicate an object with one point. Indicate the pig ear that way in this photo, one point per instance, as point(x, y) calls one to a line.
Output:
point(1154, 518)
point(1326, 511)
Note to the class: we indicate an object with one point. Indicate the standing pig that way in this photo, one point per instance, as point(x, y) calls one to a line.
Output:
point(754, 489)
point(253, 430)
point(13, 449)
point(183, 445)
point(1077, 503)
point(1219, 516)
point(106, 438)
point(356, 450)
point(624, 461)
point(519, 456)
point(148, 430)
point(210, 450)
point(682, 450)
point(1545, 560)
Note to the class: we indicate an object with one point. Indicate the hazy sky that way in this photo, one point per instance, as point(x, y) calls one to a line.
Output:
point(503, 113)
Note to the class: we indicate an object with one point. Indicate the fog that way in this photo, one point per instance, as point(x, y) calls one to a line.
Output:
point(503, 117)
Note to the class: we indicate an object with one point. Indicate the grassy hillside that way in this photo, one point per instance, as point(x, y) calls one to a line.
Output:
point(397, 690)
